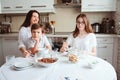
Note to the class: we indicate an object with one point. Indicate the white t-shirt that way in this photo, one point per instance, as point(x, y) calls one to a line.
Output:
point(83, 43)
point(24, 34)
point(42, 44)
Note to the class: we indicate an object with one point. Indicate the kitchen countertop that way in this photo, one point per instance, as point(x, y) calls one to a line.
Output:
point(59, 34)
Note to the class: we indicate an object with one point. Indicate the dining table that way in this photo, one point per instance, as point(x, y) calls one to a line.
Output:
point(87, 67)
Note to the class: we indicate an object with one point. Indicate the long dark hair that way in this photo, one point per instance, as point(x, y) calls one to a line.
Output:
point(88, 27)
point(26, 22)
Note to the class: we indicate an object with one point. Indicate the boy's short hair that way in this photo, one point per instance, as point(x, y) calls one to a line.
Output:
point(37, 26)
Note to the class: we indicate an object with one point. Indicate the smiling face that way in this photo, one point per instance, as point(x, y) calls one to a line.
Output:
point(34, 18)
point(80, 24)
point(37, 33)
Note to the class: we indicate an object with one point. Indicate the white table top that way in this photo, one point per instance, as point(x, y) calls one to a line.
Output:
point(63, 70)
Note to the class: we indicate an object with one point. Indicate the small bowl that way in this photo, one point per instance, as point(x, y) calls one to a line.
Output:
point(46, 62)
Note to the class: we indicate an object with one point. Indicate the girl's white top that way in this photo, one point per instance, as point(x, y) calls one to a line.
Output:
point(82, 43)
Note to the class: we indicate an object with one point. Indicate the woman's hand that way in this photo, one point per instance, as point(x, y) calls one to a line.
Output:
point(27, 53)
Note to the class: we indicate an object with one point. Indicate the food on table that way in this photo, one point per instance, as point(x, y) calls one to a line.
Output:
point(73, 58)
point(47, 60)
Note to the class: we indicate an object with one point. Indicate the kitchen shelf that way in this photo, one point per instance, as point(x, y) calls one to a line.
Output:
point(67, 5)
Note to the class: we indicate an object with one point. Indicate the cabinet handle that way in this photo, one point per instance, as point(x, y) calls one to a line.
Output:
point(11, 39)
point(105, 59)
point(105, 40)
point(94, 5)
point(90, 4)
point(103, 47)
point(38, 6)
point(6, 7)
point(19, 7)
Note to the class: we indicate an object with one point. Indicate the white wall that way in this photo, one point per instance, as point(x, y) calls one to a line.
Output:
point(65, 18)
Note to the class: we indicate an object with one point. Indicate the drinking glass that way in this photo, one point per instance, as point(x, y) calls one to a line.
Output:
point(9, 59)
point(54, 54)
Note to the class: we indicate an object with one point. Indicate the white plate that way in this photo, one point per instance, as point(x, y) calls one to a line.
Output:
point(19, 69)
point(22, 64)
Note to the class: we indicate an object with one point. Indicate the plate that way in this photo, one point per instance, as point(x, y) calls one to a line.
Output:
point(23, 68)
point(21, 64)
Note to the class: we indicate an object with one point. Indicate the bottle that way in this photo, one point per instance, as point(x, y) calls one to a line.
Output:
point(8, 29)
point(107, 25)
point(53, 29)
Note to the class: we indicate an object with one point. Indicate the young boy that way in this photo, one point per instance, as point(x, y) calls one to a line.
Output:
point(38, 39)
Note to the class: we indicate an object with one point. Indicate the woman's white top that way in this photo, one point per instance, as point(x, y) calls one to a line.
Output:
point(24, 34)
point(82, 43)
point(42, 44)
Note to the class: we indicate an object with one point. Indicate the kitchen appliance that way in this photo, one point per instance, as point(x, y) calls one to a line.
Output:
point(96, 27)
point(66, 1)
point(108, 26)
point(5, 27)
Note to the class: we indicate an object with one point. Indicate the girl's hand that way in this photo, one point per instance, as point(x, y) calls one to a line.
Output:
point(63, 49)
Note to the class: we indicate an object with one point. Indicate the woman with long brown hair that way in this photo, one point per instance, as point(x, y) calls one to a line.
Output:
point(32, 17)
point(82, 37)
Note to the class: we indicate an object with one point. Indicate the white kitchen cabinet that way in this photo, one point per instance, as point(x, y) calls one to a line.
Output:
point(10, 47)
point(14, 6)
point(0, 6)
point(98, 5)
point(118, 59)
point(105, 48)
point(1, 53)
point(23, 6)
point(42, 5)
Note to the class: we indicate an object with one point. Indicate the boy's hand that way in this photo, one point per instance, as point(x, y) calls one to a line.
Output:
point(36, 39)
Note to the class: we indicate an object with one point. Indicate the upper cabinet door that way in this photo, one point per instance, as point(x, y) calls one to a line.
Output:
point(42, 5)
point(0, 6)
point(98, 5)
point(23, 6)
